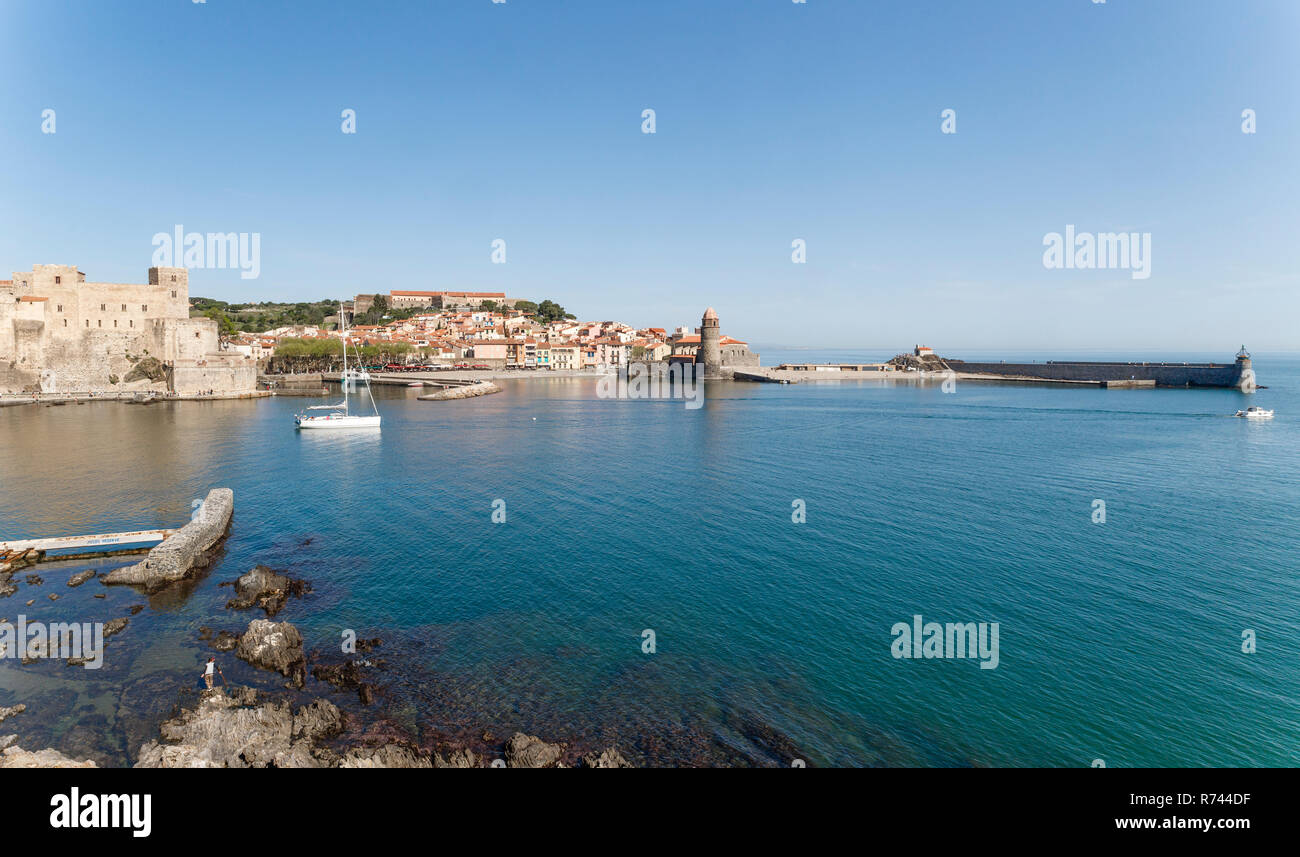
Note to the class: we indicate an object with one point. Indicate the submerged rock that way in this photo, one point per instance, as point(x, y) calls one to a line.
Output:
point(609, 758)
point(529, 751)
point(6, 713)
point(274, 646)
point(264, 587)
point(347, 676)
point(185, 550)
point(115, 626)
point(81, 577)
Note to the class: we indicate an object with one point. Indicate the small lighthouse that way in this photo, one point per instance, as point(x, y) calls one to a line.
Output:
point(1245, 372)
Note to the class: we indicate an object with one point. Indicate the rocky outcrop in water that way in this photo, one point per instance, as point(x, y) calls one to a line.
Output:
point(387, 756)
point(235, 731)
point(274, 646)
point(456, 759)
point(609, 758)
point(222, 641)
point(186, 550)
point(13, 756)
point(529, 751)
point(348, 676)
point(264, 587)
point(240, 730)
point(6, 713)
point(81, 577)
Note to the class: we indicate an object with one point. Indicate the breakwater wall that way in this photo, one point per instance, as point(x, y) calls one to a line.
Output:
point(467, 391)
point(1162, 374)
point(185, 549)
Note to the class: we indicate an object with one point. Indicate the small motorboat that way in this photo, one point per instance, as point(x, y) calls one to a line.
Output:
point(1255, 413)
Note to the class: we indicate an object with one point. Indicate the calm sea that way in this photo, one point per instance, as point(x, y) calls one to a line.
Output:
point(1119, 641)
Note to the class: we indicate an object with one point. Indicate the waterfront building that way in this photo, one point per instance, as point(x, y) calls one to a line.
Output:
point(716, 355)
point(62, 334)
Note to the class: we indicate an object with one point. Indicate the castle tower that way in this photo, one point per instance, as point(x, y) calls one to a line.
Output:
point(710, 351)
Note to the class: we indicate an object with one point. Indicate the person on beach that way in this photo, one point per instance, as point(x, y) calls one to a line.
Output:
point(208, 675)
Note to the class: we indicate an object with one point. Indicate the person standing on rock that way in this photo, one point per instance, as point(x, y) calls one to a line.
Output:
point(208, 674)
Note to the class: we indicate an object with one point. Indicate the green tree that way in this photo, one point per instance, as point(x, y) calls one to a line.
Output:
point(225, 327)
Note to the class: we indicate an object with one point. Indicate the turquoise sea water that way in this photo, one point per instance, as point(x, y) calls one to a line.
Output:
point(1118, 641)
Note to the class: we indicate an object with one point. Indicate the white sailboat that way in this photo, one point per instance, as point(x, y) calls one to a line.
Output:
point(340, 416)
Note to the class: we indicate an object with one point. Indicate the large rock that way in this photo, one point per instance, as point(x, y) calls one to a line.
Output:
point(264, 587)
point(387, 756)
point(6, 713)
point(237, 730)
point(185, 550)
point(16, 757)
point(529, 751)
point(274, 646)
point(234, 731)
point(457, 759)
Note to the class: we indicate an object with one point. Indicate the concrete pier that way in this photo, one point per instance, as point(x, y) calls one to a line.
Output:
point(185, 549)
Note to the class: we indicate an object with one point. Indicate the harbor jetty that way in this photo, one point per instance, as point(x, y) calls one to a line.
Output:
point(461, 391)
point(184, 550)
point(924, 364)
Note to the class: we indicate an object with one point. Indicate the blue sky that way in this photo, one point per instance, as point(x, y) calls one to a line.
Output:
point(775, 121)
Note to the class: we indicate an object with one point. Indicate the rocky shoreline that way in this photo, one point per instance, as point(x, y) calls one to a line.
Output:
point(235, 726)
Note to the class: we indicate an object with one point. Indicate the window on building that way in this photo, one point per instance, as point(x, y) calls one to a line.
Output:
point(196, 334)
point(173, 290)
point(133, 322)
point(58, 280)
point(65, 322)
point(103, 307)
point(87, 322)
point(60, 309)
point(123, 307)
point(144, 307)
point(100, 323)
point(114, 322)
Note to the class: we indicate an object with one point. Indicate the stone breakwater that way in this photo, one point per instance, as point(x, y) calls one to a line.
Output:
point(185, 550)
point(469, 391)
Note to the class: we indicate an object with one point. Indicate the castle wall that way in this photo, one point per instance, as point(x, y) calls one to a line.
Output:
point(61, 334)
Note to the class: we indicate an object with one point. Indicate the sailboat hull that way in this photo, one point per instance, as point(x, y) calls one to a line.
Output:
point(337, 422)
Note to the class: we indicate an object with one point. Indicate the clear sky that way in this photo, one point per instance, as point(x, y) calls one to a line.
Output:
point(774, 121)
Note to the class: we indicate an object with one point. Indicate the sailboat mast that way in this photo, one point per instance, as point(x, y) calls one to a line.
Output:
point(343, 326)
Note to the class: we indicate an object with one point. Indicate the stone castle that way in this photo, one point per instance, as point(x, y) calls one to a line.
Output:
point(61, 334)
